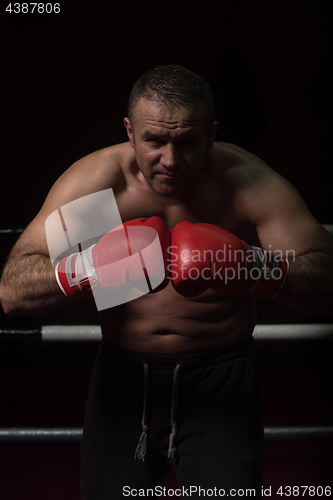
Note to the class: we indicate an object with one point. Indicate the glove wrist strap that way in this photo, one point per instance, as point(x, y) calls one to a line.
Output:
point(76, 275)
point(273, 274)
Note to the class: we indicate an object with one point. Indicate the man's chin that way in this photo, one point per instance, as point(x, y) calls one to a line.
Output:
point(169, 190)
point(170, 185)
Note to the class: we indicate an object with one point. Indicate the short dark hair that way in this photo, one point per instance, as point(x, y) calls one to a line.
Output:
point(172, 85)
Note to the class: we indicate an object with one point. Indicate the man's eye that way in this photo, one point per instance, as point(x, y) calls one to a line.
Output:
point(155, 140)
point(186, 142)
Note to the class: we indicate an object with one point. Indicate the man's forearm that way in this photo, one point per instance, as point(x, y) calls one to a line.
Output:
point(28, 286)
point(309, 286)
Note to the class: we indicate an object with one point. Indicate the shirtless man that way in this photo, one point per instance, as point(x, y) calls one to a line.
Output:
point(173, 352)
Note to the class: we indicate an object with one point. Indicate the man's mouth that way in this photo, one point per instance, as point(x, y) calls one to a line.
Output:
point(169, 175)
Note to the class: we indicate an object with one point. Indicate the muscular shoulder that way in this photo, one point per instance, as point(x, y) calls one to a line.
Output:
point(100, 170)
point(238, 167)
point(257, 190)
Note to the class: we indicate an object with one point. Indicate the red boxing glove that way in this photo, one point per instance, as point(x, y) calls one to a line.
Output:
point(206, 256)
point(127, 256)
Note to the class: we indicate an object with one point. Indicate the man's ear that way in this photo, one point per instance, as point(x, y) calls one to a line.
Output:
point(129, 130)
point(212, 135)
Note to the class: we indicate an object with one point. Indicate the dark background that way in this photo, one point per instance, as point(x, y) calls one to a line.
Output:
point(65, 79)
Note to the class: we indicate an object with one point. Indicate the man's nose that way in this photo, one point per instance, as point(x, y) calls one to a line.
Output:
point(170, 157)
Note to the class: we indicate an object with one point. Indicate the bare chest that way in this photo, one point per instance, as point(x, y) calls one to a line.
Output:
point(209, 205)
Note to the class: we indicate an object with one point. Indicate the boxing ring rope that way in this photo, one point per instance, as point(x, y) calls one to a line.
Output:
point(92, 333)
point(74, 434)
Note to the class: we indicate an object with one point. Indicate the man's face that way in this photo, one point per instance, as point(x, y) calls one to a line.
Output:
point(171, 144)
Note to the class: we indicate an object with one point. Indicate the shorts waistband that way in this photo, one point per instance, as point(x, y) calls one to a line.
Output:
point(122, 356)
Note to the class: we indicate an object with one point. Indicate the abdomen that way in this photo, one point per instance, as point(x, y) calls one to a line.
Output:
point(166, 322)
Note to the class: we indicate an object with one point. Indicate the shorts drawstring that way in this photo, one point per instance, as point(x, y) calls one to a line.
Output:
point(141, 449)
point(174, 411)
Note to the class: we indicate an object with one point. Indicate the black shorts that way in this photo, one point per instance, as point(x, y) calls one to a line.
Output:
point(214, 403)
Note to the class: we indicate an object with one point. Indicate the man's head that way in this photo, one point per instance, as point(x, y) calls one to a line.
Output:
point(173, 86)
point(171, 127)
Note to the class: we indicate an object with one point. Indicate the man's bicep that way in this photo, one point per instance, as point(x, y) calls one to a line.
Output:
point(34, 240)
point(285, 224)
